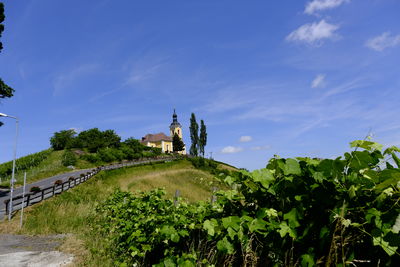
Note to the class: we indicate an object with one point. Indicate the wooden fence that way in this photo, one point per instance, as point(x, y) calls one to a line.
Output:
point(31, 198)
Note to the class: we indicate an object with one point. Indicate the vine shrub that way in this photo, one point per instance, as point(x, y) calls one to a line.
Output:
point(296, 211)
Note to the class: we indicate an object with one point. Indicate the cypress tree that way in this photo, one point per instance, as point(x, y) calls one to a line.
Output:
point(177, 143)
point(203, 137)
point(194, 136)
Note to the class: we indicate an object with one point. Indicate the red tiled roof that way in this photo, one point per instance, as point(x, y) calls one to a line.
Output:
point(155, 138)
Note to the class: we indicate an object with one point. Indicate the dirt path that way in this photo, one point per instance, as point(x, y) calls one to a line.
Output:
point(21, 250)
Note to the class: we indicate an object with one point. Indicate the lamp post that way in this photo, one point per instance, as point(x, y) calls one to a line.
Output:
point(13, 168)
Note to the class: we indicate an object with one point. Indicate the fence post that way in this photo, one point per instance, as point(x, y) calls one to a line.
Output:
point(6, 202)
point(177, 194)
point(214, 197)
point(27, 199)
point(42, 195)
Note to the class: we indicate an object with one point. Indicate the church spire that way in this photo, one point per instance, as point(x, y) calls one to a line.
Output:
point(174, 117)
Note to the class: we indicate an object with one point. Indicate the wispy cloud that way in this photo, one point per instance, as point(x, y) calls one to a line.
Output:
point(245, 138)
point(139, 74)
point(314, 33)
point(259, 148)
point(65, 80)
point(383, 41)
point(319, 81)
point(231, 150)
point(319, 5)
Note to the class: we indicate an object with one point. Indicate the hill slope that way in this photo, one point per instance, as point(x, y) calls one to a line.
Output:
point(70, 212)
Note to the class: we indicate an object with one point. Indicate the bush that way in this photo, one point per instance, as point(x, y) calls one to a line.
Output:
point(71, 179)
point(58, 182)
point(35, 189)
point(69, 158)
point(92, 158)
point(107, 155)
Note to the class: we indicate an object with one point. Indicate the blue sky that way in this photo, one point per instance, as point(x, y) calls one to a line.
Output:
point(292, 78)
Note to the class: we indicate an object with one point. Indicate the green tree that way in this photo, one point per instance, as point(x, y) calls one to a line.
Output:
point(203, 137)
point(177, 143)
point(94, 139)
point(194, 135)
point(5, 90)
point(62, 139)
point(134, 144)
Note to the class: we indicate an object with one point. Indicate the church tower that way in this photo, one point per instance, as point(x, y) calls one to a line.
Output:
point(175, 126)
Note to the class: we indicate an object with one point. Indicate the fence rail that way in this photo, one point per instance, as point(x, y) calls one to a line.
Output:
point(35, 197)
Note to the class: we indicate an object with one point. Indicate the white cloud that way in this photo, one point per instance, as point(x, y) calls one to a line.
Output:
point(319, 81)
point(383, 41)
point(245, 138)
point(231, 150)
point(314, 33)
point(258, 148)
point(319, 5)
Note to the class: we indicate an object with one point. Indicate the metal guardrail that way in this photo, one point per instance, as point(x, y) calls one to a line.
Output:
point(48, 192)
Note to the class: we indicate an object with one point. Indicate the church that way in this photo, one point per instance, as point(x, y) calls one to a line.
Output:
point(163, 141)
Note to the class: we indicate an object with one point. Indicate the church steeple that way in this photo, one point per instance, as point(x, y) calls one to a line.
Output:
point(175, 126)
point(174, 117)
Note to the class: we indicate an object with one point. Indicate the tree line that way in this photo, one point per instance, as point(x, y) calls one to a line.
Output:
point(99, 146)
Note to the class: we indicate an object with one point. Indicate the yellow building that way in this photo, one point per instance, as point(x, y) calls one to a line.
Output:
point(163, 141)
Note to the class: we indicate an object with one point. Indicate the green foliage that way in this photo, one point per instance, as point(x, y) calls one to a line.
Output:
point(62, 139)
point(69, 158)
point(24, 163)
point(203, 137)
point(194, 136)
point(94, 139)
point(147, 228)
point(177, 143)
point(298, 211)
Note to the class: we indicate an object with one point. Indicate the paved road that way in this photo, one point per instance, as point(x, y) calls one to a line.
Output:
point(4, 195)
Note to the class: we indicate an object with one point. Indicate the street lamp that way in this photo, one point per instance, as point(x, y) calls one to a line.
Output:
point(13, 168)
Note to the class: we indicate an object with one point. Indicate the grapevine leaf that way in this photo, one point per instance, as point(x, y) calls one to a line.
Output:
point(225, 246)
point(291, 167)
point(318, 177)
point(307, 260)
point(378, 241)
point(292, 217)
point(396, 226)
point(396, 159)
point(367, 145)
point(263, 176)
point(257, 225)
point(231, 221)
point(169, 263)
point(210, 226)
point(232, 233)
point(185, 263)
point(285, 229)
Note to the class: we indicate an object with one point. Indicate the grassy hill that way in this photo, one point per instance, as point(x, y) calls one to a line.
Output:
point(70, 212)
